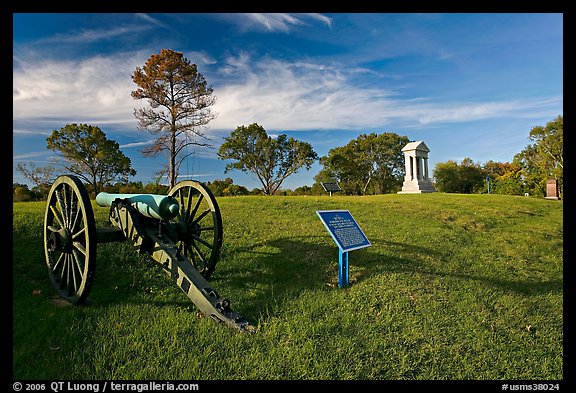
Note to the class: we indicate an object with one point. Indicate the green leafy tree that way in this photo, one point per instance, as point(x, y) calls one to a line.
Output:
point(464, 178)
point(217, 186)
point(226, 188)
point(543, 158)
point(446, 176)
point(91, 156)
point(370, 164)
point(505, 178)
point(21, 193)
point(272, 160)
point(180, 101)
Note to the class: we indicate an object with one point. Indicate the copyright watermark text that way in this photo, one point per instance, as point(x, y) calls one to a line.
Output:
point(103, 386)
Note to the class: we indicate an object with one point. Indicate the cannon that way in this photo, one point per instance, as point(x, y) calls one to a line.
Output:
point(181, 231)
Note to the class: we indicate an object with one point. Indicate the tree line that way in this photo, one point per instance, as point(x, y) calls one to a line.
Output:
point(179, 107)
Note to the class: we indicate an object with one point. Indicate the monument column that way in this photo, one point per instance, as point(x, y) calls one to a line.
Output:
point(416, 178)
point(407, 168)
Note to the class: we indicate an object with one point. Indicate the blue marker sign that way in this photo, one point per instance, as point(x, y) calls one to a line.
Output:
point(346, 234)
point(343, 229)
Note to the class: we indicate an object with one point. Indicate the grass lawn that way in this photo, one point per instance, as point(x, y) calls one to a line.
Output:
point(454, 287)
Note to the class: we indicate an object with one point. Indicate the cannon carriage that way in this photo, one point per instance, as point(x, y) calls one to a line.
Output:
point(181, 231)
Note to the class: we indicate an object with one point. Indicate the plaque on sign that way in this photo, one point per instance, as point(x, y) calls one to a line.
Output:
point(343, 229)
point(346, 234)
point(331, 187)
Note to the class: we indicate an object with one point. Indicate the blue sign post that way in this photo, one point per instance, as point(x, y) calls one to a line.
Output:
point(346, 234)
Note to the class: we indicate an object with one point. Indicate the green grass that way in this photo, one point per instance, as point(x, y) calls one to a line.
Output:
point(454, 287)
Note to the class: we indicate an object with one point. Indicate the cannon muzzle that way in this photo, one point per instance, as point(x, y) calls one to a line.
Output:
point(160, 207)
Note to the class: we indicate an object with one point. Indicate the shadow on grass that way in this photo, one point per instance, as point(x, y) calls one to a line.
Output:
point(296, 264)
point(411, 261)
point(279, 270)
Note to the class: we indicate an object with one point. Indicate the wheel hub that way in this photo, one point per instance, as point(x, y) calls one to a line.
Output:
point(60, 240)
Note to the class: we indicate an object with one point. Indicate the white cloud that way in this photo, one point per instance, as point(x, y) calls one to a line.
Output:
point(31, 155)
point(278, 95)
point(136, 144)
point(273, 22)
point(305, 96)
point(94, 90)
point(85, 36)
point(22, 132)
point(148, 18)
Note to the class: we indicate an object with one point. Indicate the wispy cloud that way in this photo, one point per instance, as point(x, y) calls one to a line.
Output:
point(150, 19)
point(282, 22)
point(281, 95)
point(85, 36)
point(31, 155)
point(29, 132)
point(93, 90)
point(277, 94)
point(136, 144)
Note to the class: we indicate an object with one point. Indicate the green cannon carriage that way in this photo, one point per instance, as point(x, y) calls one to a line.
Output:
point(181, 231)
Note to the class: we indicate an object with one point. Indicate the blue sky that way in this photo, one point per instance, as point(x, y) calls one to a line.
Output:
point(468, 85)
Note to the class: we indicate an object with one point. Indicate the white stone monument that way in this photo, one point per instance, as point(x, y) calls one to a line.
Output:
point(416, 180)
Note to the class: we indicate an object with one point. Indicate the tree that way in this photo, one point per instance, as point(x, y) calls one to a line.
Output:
point(446, 176)
point(180, 102)
point(271, 159)
point(505, 177)
point(544, 157)
point(549, 141)
point(21, 193)
point(464, 178)
point(371, 163)
point(532, 172)
point(41, 177)
point(90, 155)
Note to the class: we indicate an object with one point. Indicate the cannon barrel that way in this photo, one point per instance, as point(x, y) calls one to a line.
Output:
point(150, 205)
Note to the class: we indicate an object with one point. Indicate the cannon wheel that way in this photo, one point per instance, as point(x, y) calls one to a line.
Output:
point(199, 225)
point(70, 239)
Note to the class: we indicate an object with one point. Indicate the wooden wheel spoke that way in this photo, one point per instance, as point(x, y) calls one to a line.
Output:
point(58, 261)
point(67, 205)
point(80, 232)
point(79, 266)
point(196, 237)
point(189, 202)
point(57, 215)
point(197, 261)
point(181, 197)
point(71, 211)
point(196, 206)
point(70, 276)
point(64, 272)
point(199, 253)
point(62, 208)
point(201, 216)
point(80, 247)
point(78, 211)
point(76, 271)
point(189, 253)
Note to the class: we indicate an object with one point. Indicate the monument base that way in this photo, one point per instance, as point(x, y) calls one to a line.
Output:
point(416, 192)
point(417, 187)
